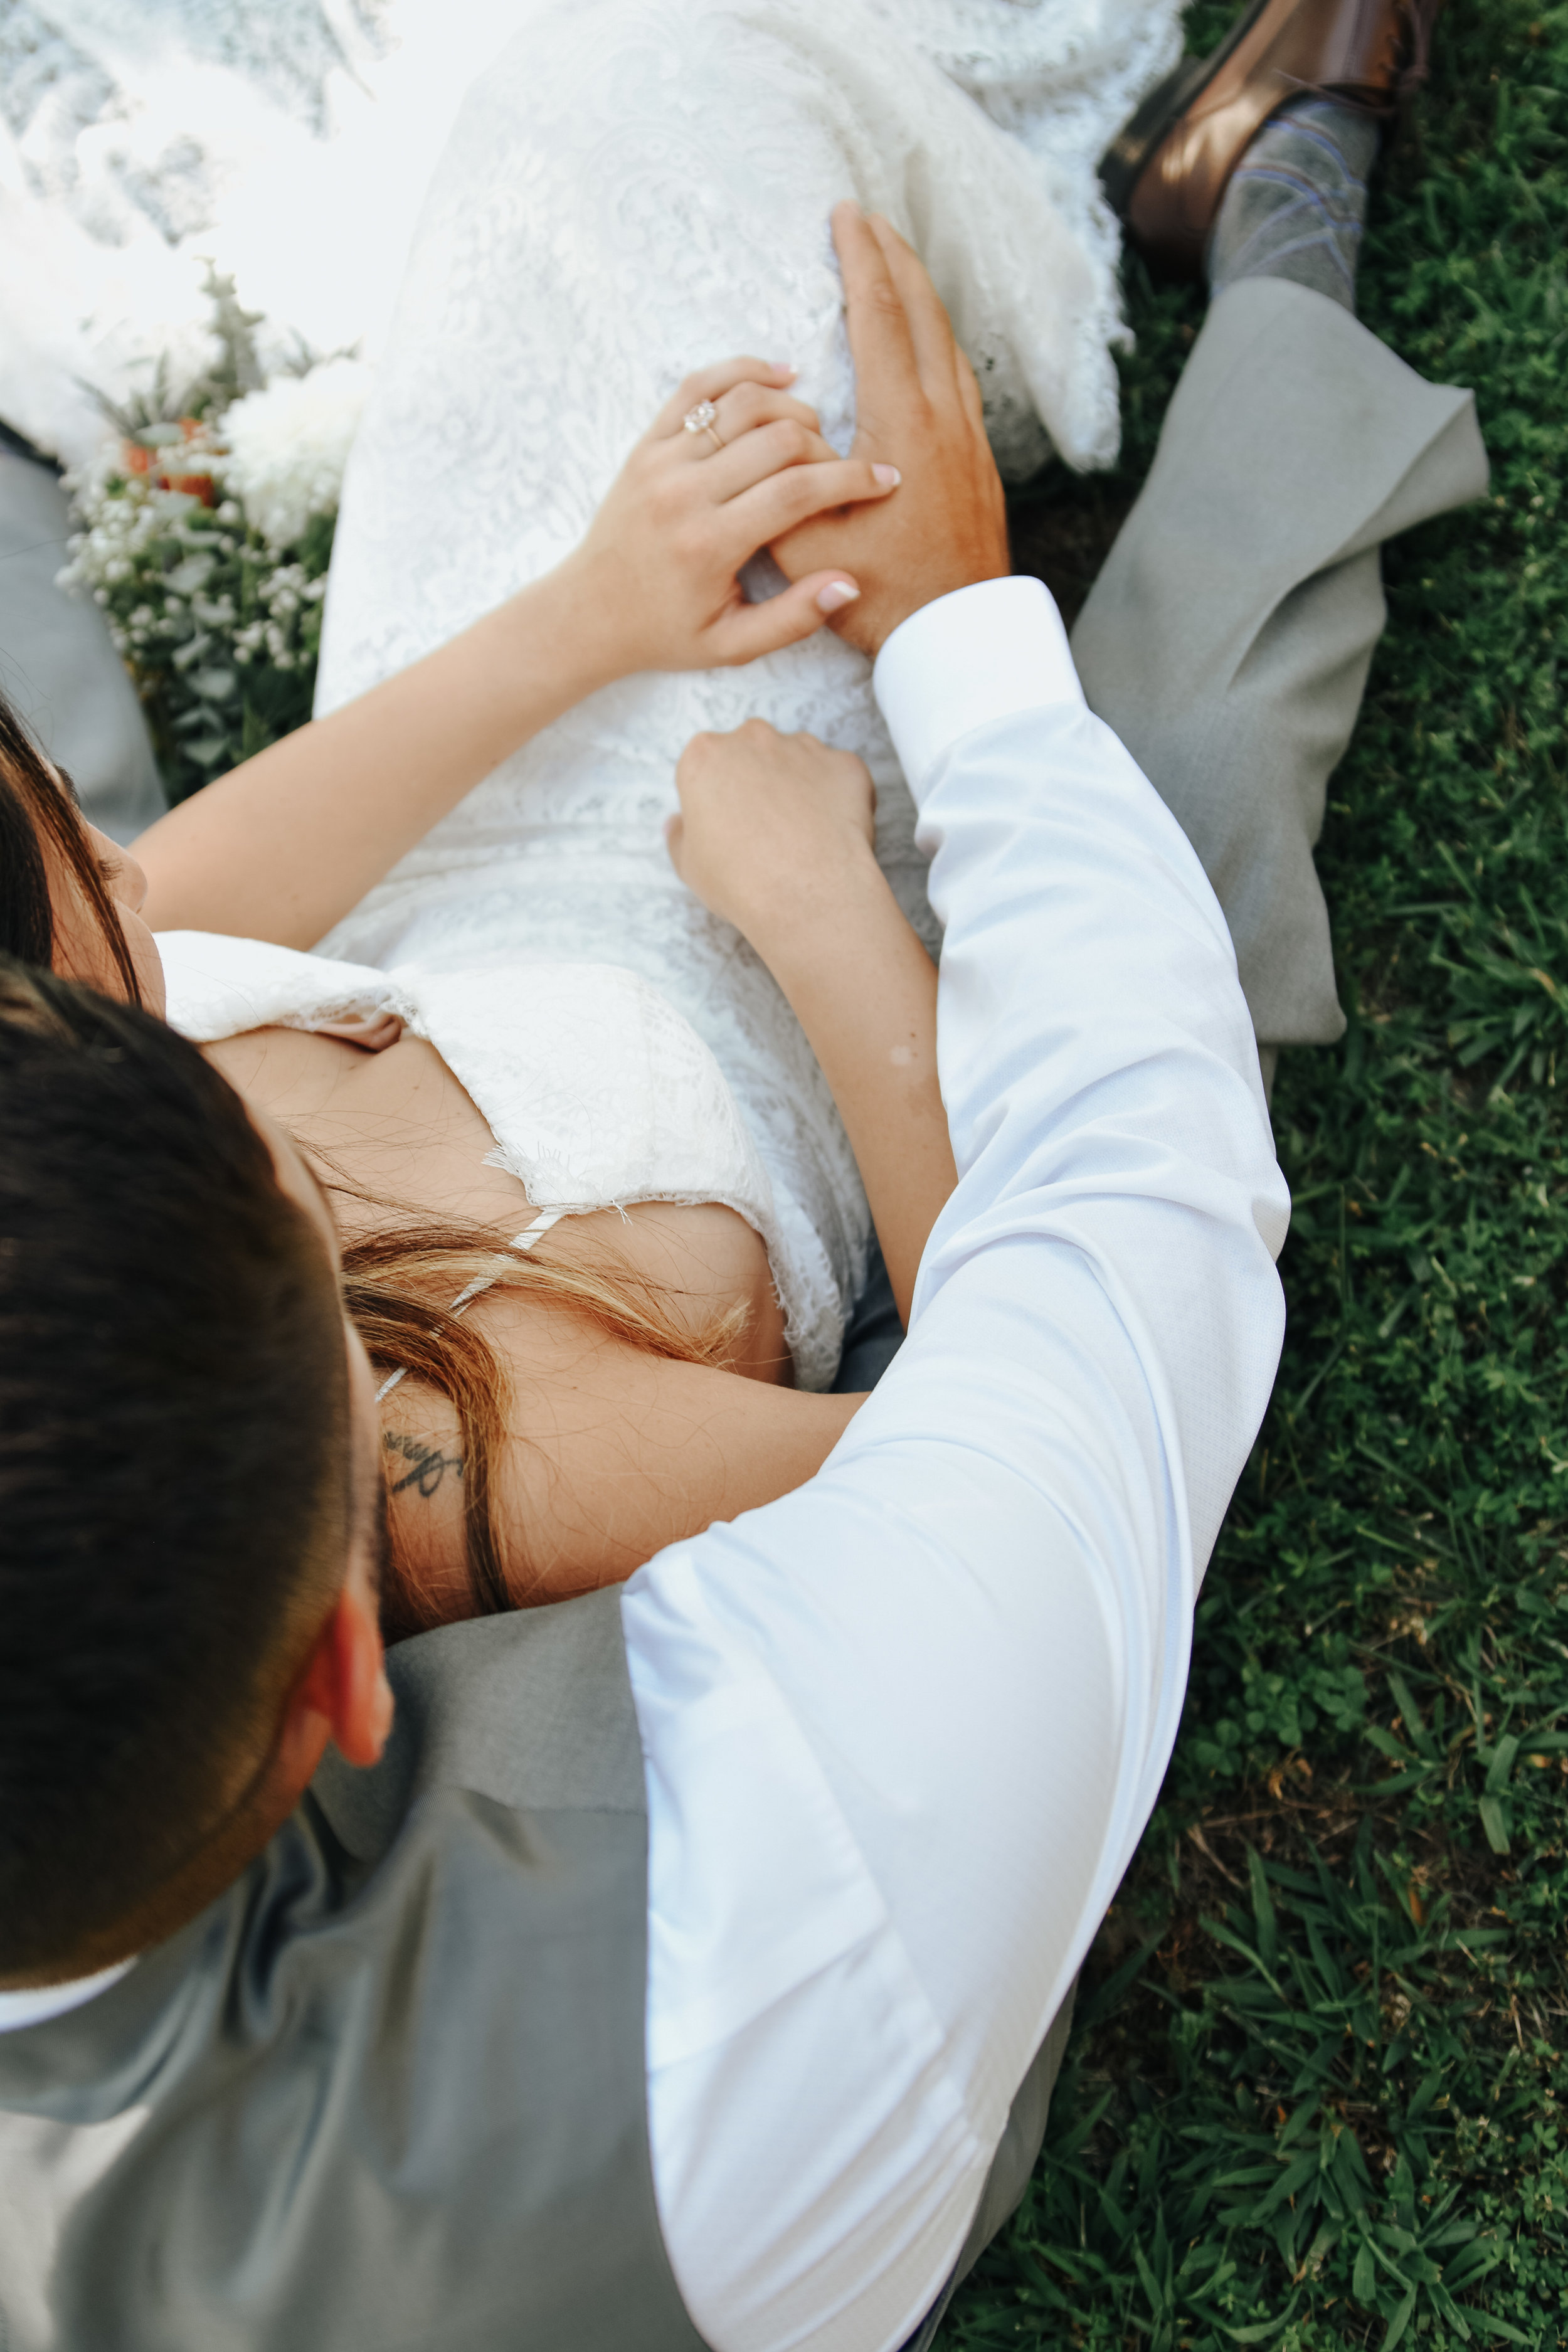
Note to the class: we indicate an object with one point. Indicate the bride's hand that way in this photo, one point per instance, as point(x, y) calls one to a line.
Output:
point(658, 569)
point(769, 825)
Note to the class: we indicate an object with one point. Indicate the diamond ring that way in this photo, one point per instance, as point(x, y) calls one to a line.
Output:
point(701, 419)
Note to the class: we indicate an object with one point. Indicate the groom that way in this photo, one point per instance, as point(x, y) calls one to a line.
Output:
point(694, 1964)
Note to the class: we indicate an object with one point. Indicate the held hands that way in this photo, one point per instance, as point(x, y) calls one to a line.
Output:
point(658, 570)
point(656, 576)
point(918, 406)
point(770, 828)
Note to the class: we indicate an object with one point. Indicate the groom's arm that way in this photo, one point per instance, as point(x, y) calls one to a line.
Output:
point(903, 1727)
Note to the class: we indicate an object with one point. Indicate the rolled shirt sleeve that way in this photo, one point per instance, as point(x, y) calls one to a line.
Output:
point(903, 1727)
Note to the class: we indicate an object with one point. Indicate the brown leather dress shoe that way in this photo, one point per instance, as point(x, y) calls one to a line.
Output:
point(1167, 169)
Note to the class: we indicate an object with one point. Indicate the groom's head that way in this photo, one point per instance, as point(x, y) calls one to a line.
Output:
point(188, 1489)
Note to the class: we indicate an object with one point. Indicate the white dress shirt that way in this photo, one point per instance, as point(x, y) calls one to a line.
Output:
point(902, 1728)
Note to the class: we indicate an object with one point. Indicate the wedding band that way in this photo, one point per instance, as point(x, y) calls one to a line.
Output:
point(700, 420)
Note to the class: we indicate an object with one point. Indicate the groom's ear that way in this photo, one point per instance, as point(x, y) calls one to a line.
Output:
point(342, 1694)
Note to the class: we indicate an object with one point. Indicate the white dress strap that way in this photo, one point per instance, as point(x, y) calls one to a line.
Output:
point(482, 1282)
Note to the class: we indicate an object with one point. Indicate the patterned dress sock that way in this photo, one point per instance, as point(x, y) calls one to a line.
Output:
point(1296, 200)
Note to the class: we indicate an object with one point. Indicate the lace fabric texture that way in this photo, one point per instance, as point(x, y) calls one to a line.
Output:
point(292, 145)
point(597, 1093)
point(1060, 76)
point(638, 187)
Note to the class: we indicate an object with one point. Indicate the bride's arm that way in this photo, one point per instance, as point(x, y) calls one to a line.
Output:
point(282, 847)
point(775, 834)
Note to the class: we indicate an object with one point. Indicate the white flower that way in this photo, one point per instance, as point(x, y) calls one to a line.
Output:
point(187, 578)
point(289, 445)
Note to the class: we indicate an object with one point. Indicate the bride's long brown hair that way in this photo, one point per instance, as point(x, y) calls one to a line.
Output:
point(36, 811)
point(399, 1282)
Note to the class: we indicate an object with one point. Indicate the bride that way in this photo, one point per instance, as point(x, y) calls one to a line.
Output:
point(602, 1172)
point(564, 1393)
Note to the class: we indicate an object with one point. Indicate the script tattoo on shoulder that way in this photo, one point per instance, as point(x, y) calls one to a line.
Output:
point(430, 1465)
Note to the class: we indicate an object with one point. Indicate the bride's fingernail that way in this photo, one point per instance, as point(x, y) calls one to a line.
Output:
point(889, 476)
point(838, 593)
point(787, 368)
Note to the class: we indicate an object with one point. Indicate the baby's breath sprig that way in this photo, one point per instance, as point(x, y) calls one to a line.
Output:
point(205, 539)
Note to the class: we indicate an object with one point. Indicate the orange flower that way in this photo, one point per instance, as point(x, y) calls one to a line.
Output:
point(139, 459)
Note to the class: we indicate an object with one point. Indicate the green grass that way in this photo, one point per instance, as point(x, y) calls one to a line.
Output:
point(1313, 2098)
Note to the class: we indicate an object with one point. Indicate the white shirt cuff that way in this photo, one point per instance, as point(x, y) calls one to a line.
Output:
point(982, 652)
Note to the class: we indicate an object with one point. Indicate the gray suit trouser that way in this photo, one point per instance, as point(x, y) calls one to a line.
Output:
point(1228, 642)
point(1228, 637)
point(58, 667)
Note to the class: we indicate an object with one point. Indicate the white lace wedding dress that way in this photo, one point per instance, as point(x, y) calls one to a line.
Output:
point(636, 187)
point(292, 145)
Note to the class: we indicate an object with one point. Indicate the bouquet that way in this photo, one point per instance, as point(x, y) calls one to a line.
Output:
point(206, 532)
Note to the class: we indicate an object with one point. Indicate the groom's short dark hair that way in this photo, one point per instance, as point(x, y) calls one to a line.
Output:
point(173, 1456)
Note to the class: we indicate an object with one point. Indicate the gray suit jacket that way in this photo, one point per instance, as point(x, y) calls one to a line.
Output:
point(389, 2091)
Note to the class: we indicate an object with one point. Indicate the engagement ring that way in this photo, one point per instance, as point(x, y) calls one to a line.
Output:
point(700, 420)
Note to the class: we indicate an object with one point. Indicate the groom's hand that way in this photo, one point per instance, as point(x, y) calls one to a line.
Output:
point(917, 407)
